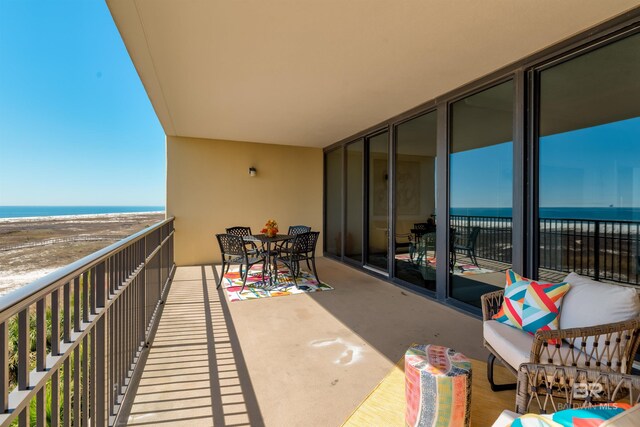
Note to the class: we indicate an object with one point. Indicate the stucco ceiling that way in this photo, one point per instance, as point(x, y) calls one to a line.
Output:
point(313, 72)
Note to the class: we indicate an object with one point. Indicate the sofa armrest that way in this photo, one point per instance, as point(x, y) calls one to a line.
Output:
point(550, 388)
point(614, 346)
point(491, 303)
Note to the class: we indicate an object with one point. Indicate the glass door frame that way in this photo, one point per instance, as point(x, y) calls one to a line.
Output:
point(520, 186)
point(365, 212)
point(345, 217)
point(393, 136)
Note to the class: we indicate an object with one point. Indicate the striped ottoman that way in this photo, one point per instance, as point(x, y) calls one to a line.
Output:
point(437, 387)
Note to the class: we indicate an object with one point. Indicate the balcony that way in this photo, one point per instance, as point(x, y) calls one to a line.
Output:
point(143, 342)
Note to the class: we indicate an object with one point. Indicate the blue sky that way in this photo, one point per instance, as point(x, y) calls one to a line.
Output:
point(597, 166)
point(482, 178)
point(592, 167)
point(76, 126)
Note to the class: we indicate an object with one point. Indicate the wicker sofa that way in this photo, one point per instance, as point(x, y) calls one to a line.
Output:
point(545, 389)
point(599, 329)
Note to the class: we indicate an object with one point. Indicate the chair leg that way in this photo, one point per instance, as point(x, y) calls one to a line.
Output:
point(221, 276)
point(496, 387)
point(244, 277)
point(472, 254)
point(295, 282)
point(308, 266)
point(315, 272)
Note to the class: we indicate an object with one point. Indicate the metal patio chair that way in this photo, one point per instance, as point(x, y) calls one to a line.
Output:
point(469, 245)
point(241, 231)
point(234, 252)
point(303, 248)
point(285, 246)
point(298, 229)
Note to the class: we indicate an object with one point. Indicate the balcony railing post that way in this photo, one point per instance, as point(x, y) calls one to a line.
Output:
point(4, 368)
point(143, 292)
point(596, 251)
point(41, 359)
point(24, 345)
point(99, 415)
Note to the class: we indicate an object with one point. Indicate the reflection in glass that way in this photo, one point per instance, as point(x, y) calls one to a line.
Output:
point(377, 254)
point(333, 197)
point(415, 187)
point(353, 232)
point(589, 165)
point(481, 187)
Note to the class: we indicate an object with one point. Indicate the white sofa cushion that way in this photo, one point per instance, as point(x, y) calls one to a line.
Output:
point(514, 346)
point(590, 303)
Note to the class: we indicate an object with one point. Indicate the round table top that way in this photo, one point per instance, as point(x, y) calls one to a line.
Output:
point(276, 238)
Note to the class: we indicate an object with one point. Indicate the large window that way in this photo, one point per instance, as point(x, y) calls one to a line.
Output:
point(589, 165)
point(415, 201)
point(354, 182)
point(333, 200)
point(481, 189)
point(575, 159)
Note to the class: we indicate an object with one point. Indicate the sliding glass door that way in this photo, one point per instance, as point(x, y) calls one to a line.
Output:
point(333, 202)
point(354, 202)
point(480, 192)
point(415, 201)
point(378, 201)
point(589, 165)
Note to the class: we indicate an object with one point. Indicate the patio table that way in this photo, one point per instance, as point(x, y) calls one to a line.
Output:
point(272, 267)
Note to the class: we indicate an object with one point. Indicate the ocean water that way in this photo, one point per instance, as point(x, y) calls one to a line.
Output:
point(31, 211)
point(610, 213)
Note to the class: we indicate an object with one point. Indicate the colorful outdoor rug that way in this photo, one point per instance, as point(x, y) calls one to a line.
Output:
point(257, 289)
point(460, 269)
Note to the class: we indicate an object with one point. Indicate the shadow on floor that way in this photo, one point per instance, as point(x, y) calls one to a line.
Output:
point(194, 372)
point(390, 317)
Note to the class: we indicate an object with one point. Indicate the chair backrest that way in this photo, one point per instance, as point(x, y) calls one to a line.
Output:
point(239, 231)
point(420, 226)
point(305, 242)
point(298, 229)
point(231, 245)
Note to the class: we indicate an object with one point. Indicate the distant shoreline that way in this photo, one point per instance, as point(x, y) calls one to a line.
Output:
point(32, 247)
point(39, 211)
point(75, 216)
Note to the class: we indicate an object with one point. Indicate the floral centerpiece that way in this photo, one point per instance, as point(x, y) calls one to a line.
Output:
point(270, 228)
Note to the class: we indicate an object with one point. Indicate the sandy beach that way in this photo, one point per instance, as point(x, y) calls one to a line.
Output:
point(33, 247)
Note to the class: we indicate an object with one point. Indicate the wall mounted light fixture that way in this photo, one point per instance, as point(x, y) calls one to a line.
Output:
point(252, 171)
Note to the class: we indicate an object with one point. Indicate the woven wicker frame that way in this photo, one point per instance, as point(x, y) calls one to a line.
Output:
point(621, 342)
point(550, 388)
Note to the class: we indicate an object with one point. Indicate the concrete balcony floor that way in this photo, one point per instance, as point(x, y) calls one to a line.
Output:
point(297, 360)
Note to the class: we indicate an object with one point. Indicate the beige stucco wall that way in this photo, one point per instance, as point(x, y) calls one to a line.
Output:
point(209, 189)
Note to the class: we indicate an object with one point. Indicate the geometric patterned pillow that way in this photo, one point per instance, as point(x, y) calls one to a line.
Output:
point(514, 292)
point(531, 305)
point(541, 308)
